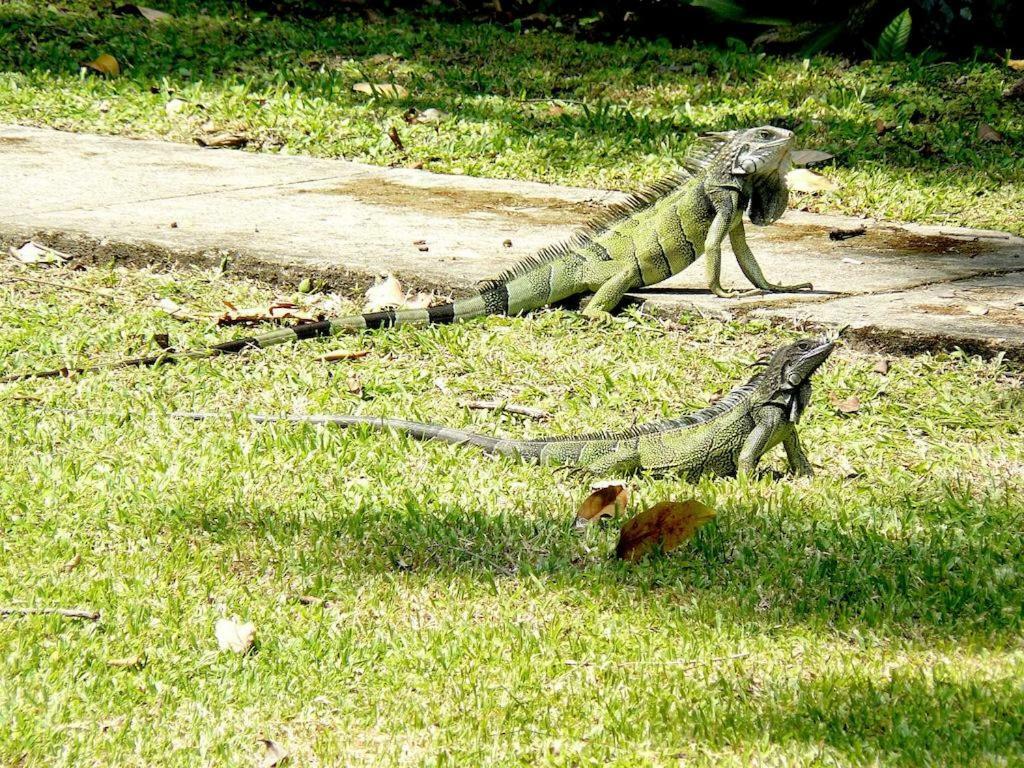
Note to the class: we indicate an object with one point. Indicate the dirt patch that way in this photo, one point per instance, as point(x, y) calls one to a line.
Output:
point(884, 240)
point(12, 140)
point(459, 202)
point(87, 252)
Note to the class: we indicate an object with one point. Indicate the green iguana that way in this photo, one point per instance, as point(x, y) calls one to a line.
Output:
point(646, 239)
point(725, 438)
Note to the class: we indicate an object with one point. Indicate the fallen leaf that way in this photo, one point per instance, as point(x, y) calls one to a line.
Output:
point(846, 234)
point(882, 367)
point(988, 133)
point(667, 524)
point(1015, 64)
point(556, 110)
point(222, 140)
point(33, 253)
point(174, 106)
point(802, 180)
point(606, 500)
point(71, 564)
point(442, 384)
point(809, 156)
point(162, 340)
point(233, 635)
point(175, 310)
point(849, 405)
point(274, 313)
point(126, 662)
point(151, 14)
point(105, 64)
point(333, 357)
point(421, 300)
point(386, 294)
point(383, 90)
point(430, 116)
point(1015, 91)
point(396, 139)
point(273, 755)
point(354, 385)
point(882, 127)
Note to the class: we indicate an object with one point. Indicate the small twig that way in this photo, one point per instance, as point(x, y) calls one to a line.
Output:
point(657, 662)
point(70, 613)
point(52, 284)
point(501, 405)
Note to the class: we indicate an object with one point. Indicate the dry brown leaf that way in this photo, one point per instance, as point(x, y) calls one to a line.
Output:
point(882, 367)
point(273, 755)
point(71, 564)
point(1015, 91)
point(421, 300)
point(809, 156)
point(847, 406)
point(386, 294)
point(430, 116)
point(151, 14)
point(174, 106)
point(33, 253)
point(607, 500)
point(1015, 64)
point(104, 64)
point(802, 180)
point(333, 357)
point(354, 385)
point(987, 133)
point(882, 127)
point(276, 312)
point(175, 310)
point(234, 635)
point(382, 90)
point(667, 524)
point(222, 140)
point(396, 139)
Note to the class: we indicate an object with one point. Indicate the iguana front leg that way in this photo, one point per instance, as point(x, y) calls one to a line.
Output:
point(795, 454)
point(754, 447)
point(749, 265)
point(725, 210)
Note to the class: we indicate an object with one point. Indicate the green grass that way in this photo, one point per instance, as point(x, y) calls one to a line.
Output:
point(626, 113)
point(870, 615)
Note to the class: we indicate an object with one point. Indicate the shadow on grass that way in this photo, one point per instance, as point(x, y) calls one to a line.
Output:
point(953, 571)
point(448, 65)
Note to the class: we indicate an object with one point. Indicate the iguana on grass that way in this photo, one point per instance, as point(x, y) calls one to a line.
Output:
point(725, 438)
point(646, 239)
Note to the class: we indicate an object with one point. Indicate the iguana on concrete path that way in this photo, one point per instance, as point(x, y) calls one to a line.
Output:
point(646, 239)
point(725, 438)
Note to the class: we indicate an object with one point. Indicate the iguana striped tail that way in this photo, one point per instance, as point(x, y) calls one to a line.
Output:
point(491, 300)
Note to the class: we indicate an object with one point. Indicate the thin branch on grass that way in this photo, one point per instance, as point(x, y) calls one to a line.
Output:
point(91, 291)
point(501, 405)
point(69, 613)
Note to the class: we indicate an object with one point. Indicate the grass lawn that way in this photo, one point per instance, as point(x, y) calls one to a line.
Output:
point(870, 615)
point(534, 105)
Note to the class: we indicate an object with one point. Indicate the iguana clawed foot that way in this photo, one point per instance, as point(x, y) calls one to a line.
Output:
point(599, 317)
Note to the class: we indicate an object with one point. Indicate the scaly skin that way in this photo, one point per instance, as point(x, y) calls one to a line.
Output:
point(647, 239)
point(727, 438)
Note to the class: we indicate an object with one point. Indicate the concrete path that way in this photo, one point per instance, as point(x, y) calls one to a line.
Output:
point(914, 285)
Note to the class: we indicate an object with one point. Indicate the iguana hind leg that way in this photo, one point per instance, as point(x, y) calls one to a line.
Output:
point(745, 258)
point(609, 293)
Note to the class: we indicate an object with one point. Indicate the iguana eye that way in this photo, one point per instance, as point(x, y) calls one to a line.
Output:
point(765, 134)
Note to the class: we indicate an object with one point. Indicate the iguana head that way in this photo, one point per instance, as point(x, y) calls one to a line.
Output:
point(756, 160)
point(786, 380)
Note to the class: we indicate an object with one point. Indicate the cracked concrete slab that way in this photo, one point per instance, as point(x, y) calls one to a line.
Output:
point(307, 214)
